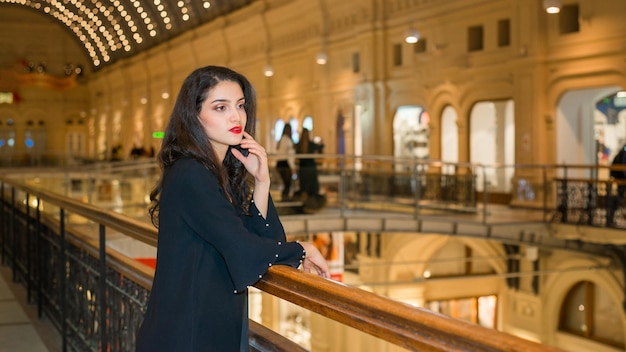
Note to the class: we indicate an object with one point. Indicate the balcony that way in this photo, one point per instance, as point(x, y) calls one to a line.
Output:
point(58, 227)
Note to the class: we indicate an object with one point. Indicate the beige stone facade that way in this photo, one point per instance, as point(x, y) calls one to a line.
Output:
point(551, 70)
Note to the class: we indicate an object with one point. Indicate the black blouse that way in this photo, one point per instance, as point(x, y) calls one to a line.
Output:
point(207, 255)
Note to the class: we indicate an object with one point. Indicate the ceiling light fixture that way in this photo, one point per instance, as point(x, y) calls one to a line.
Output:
point(412, 35)
point(268, 71)
point(552, 6)
point(321, 58)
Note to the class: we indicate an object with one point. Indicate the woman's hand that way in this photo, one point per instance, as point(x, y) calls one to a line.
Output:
point(256, 160)
point(256, 164)
point(314, 260)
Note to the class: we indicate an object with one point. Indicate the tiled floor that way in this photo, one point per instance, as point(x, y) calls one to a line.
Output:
point(20, 328)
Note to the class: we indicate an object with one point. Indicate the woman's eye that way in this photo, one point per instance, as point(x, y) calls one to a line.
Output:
point(241, 106)
point(219, 108)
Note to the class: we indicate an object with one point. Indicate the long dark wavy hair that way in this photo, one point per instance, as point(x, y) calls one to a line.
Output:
point(186, 137)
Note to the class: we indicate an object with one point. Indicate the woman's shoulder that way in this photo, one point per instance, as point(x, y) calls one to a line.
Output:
point(186, 163)
point(286, 139)
point(188, 169)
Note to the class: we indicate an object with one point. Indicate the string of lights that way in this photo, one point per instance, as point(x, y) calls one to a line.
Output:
point(112, 29)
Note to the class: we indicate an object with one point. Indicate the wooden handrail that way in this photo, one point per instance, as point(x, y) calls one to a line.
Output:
point(414, 328)
point(264, 339)
point(136, 229)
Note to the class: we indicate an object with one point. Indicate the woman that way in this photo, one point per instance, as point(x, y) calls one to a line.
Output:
point(218, 228)
point(307, 173)
point(285, 166)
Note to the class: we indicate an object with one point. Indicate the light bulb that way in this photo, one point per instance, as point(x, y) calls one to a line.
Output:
point(412, 36)
point(321, 58)
point(552, 6)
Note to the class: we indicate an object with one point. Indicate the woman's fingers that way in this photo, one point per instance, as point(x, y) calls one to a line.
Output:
point(256, 159)
point(252, 146)
point(309, 266)
point(314, 260)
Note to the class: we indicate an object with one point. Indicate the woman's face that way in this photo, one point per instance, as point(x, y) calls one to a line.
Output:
point(223, 116)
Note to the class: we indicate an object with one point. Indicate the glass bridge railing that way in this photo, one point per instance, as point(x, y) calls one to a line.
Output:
point(580, 194)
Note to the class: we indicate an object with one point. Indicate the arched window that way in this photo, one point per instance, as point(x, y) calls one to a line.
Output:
point(589, 311)
point(28, 140)
point(278, 130)
point(11, 139)
point(280, 124)
point(411, 132)
point(308, 123)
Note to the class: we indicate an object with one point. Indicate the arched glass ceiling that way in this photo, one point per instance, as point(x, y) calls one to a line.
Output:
point(112, 29)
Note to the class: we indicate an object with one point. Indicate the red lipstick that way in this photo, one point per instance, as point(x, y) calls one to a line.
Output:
point(236, 130)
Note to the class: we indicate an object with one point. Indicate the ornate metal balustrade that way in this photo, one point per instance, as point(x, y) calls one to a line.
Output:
point(590, 202)
point(62, 270)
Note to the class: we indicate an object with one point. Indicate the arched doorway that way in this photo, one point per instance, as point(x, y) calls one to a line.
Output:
point(609, 127)
point(449, 139)
point(492, 144)
point(577, 133)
